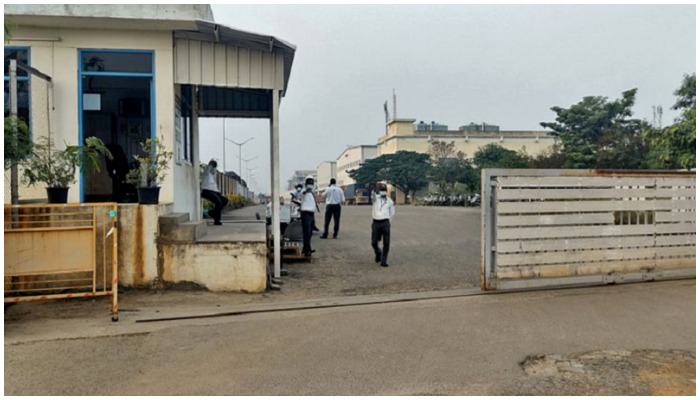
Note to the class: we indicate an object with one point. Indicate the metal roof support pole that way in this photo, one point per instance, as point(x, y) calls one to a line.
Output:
point(275, 169)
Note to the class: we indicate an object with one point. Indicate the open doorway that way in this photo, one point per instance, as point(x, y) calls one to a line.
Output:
point(115, 106)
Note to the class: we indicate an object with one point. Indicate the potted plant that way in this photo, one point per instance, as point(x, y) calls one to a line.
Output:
point(57, 168)
point(150, 173)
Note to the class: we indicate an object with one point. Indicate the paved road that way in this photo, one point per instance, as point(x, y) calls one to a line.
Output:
point(623, 339)
point(432, 248)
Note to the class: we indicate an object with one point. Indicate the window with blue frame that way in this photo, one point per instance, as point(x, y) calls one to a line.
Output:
point(20, 54)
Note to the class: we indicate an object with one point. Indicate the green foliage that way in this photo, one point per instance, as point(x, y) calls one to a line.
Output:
point(407, 170)
point(553, 158)
point(236, 201)
point(450, 168)
point(495, 156)
point(18, 141)
point(595, 133)
point(673, 147)
point(57, 168)
point(153, 164)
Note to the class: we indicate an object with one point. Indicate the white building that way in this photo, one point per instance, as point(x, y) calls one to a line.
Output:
point(350, 159)
point(300, 176)
point(325, 171)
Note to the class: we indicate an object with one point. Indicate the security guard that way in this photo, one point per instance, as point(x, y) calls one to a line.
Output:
point(308, 210)
point(382, 213)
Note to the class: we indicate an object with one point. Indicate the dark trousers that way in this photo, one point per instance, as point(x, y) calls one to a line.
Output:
point(381, 230)
point(219, 202)
point(307, 226)
point(332, 211)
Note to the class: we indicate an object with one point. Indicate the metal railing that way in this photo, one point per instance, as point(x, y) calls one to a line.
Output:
point(59, 251)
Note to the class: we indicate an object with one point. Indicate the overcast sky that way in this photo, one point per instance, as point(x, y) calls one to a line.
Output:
point(454, 64)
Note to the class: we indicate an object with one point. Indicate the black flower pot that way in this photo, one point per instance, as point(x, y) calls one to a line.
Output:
point(148, 195)
point(57, 195)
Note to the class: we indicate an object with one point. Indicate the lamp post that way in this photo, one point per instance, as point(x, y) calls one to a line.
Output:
point(249, 170)
point(223, 166)
point(246, 164)
point(240, 145)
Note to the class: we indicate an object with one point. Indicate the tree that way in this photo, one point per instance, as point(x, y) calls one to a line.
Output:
point(18, 141)
point(450, 168)
point(552, 158)
point(440, 150)
point(406, 170)
point(674, 146)
point(596, 133)
point(370, 172)
point(495, 156)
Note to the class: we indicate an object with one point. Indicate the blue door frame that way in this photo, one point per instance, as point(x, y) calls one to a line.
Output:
point(82, 73)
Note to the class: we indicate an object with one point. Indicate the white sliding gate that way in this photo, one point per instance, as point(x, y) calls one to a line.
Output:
point(544, 228)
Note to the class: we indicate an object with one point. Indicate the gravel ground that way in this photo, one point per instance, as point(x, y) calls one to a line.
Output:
point(432, 248)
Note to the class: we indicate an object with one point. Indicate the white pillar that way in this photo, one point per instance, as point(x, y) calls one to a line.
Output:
point(275, 169)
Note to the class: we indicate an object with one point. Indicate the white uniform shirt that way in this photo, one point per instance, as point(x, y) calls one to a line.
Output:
point(334, 195)
point(383, 208)
point(208, 181)
point(308, 202)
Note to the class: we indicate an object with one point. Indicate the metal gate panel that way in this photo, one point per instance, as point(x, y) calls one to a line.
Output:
point(61, 251)
point(546, 228)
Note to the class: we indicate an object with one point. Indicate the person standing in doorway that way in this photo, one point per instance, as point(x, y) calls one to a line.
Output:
point(210, 191)
point(334, 198)
point(382, 213)
point(308, 210)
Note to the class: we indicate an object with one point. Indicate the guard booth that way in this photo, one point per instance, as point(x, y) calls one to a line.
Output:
point(549, 228)
point(126, 74)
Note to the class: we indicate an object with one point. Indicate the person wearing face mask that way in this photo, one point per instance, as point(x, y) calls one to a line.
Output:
point(210, 191)
point(382, 213)
point(308, 210)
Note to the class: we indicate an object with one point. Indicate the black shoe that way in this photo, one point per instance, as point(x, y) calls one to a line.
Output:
point(324, 236)
point(312, 251)
point(218, 223)
point(384, 264)
point(377, 257)
point(335, 236)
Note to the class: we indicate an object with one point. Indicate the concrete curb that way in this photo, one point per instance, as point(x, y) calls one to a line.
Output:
point(361, 300)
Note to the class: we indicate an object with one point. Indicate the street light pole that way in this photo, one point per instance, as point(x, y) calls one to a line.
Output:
point(246, 163)
point(224, 147)
point(249, 170)
point(240, 146)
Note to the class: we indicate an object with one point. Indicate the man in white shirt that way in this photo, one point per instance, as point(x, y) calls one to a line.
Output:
point(210, 191)
point(382, 213)
point(308, 209)
point(334, 198)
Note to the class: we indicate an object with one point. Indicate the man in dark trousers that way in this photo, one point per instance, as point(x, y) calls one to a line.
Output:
point(210, 191)
point(334, 198)
point(382, 213)
point(308, 209)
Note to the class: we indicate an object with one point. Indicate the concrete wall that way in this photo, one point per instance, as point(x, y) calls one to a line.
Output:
point(239, 267)
point(59, 59)
point(186, 174)
point(138, 252)
point(115, 11)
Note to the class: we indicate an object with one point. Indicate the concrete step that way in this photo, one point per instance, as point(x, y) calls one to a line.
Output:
point(169, 223)
point(187, 232)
